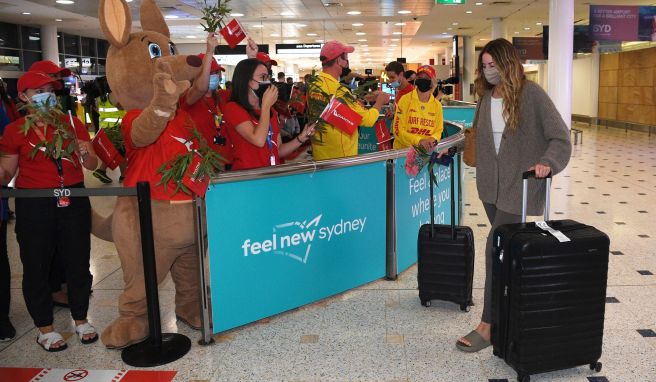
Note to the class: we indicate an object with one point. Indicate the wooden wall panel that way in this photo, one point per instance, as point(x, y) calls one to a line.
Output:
point(608, 78)
point(608, 94)
point(628, 77)
point(609, 62)
point(608, 111)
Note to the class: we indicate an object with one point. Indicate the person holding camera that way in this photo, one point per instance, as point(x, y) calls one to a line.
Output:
point(418, 118)
point(59, 223)
point(252, 124)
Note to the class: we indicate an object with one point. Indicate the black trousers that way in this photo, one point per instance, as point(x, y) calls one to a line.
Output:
point(41, 229)
point(5, 274)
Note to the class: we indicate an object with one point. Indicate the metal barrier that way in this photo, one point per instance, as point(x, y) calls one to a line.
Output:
point(159, 348)
point(235, 178)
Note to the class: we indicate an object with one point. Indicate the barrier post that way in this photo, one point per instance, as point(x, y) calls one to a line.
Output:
point(391, 262)
point(157, 349)
point(201, 235)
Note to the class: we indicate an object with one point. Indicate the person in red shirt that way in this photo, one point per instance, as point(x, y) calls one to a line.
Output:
point(397, 80)
point(200, 102)
point(252, 125)
point(225, 94)
point(58, 223)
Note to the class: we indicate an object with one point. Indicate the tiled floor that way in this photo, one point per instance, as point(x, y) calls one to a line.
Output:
point(380, 332)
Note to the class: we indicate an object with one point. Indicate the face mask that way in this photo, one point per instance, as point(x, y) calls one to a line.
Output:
point(492, 75)
point(395, 84)
point(263, 86)
point(423, 84)
point(214, 82)
point(44, 100)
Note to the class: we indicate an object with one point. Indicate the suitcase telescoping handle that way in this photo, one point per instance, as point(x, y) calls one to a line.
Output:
point(453, 202)
point(531, 174)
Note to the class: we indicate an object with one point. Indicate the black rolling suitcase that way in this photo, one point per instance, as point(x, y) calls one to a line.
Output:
point(445, 257)
point(549, 294)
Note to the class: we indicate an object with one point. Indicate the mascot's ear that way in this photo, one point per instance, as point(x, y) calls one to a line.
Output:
point(152, 19)
point(115, 21)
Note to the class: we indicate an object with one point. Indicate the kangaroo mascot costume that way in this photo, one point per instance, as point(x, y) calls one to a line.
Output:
point(148, 77)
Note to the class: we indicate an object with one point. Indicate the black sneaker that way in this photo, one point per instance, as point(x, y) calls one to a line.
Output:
point(7, 331)
point(102, 176)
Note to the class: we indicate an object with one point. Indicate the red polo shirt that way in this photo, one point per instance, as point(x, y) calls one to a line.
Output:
point(41, 171)
point(245, 154)
point(202, 112)
point(400, 93)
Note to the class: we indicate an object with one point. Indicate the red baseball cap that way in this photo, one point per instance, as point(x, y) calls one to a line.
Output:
point(428, 70)
point(334, 48)
point(265, 59)
point(214, 66)
point(34, 80)
point(49, 67)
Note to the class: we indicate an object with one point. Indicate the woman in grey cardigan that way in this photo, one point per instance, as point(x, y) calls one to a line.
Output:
point(519, 129)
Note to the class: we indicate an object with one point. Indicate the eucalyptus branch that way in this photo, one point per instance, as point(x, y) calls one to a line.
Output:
point(213, 15)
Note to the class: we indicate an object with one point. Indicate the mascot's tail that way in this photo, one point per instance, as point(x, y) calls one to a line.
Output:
point(101, 227)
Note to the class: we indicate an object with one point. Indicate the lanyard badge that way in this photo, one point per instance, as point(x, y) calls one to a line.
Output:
point(62, 201)
point(272, 158)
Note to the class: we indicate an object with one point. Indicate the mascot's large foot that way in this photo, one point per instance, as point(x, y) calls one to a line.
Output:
point(191, 320)
point(125, 331)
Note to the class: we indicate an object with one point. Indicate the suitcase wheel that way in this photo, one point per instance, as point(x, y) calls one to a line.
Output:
point(523, 378)
point(426, 303)
point(465, 307)
point(596, 366)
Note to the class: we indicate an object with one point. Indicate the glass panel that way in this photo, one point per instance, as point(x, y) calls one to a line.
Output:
point(10, 60)
point(89, 47)
point(29, 58)
point(101, 67)
point(61, 61)
point(9, 35)
point(87, 65)
point(60, 43)
point(31, 38)
point(71, 44)
point(103, 46)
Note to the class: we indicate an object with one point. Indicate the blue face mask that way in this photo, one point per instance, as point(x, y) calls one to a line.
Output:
point(44, 100)
point(214, 82)
point(395, 84)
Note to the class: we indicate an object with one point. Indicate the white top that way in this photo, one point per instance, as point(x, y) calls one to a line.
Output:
point(498, 124)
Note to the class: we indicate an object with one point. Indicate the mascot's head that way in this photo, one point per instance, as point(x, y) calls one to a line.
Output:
point(132, 57)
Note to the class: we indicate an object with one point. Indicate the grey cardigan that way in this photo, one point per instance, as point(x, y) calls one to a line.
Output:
point(542, 137)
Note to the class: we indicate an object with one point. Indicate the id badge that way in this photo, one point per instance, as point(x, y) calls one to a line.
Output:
point(272, 159)
point(217, 121)
point(63, 201)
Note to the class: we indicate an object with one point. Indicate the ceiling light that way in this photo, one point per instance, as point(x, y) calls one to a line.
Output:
point(257, 26)
point(353, 13)
point(454, 24)
point(59, 20)
point(397, 33)
point(404, 12)
point(399, 24)
point(444, 33)
point(357, 24)
point(191, 37)
point(312, 34)
point(170, 17)
point(286, 14)
point(449, 29)
point(479, 3)
point(393, 45)
point(469, 12)
point(395, 39)
point(527, 28)
point(483, 39)
point(237, 14)
point(301, 25)
point(26, 13)
point(516, 32)
point(275, 35)
point(538, 23)
point(65, 2)
point(362, 40)
point(318, 40)
point(360, 33)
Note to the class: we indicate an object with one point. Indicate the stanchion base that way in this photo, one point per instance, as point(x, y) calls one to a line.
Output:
point(202, 342)
point(145, 354)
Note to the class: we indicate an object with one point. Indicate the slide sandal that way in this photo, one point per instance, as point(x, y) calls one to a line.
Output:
point(477, 342)
point(46, 340)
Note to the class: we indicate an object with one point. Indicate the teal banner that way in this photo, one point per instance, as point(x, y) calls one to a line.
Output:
point(462, 115)
point(279, 243)
point(413, 206)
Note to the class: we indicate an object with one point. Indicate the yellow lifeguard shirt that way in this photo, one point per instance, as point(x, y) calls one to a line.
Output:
point(415, 120)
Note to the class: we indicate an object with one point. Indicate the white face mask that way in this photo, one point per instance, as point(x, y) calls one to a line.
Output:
point(492, 75)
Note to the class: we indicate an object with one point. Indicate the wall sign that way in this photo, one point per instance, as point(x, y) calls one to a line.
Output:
point(622, 23)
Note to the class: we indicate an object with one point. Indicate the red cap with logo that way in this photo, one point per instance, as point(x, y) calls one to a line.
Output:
point(332, 49)
point(35, 80)
point(428, 70)
point(214, 66)
point(265, 59)
point(49, 67)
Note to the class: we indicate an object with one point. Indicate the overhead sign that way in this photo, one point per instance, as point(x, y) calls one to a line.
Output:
point(529, 48)
point(299, 49)
point(450, 2)
point(622, 23)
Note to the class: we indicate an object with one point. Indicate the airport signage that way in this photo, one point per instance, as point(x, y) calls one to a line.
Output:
point(529, 48)
point(622, 23)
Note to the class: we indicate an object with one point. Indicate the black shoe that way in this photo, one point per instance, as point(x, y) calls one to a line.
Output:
point(7, 331)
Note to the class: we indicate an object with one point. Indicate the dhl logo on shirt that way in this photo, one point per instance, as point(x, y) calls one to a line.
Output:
point(418, 131)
